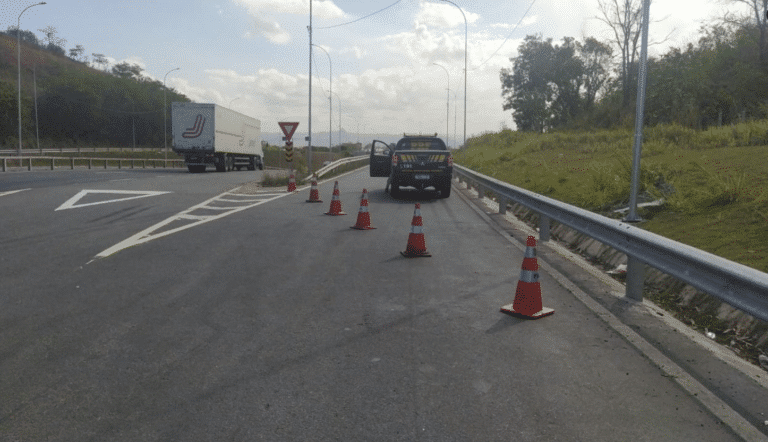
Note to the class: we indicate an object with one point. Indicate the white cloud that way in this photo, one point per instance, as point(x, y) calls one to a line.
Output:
point(527, 21)
point(357, 51)
point(263, 11)
point(443, 15)
point(271, 30)
point(325, 9)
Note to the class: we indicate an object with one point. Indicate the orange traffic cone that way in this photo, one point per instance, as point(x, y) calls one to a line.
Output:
point(292, 183)
point(363, 217)
point(335, 202)
point(314, 195)
point(416, 246)
point(527, 301)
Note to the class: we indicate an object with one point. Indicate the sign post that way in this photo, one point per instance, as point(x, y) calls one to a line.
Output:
point(288, 130)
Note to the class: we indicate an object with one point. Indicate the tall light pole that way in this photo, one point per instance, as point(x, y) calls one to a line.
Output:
point(165, 119)
point(339, 101)
point(18, 45)
point(639, 113)
point(447, 101)
point(330, 95)
point(465, 71)
point(309, 123)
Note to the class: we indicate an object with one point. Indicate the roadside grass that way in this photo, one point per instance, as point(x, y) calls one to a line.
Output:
point(714, 184)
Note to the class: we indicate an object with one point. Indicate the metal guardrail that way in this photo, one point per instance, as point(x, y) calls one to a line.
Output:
point(27, 152)
point(132, 163)
point(325, 169)
point(738, 285)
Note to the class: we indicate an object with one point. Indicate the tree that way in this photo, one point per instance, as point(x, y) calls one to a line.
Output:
point(76, 53)
point(25, 36)
point(100, 59)
point(544, 85)
point(50, 36)
point(56, 49)
point(567, 75)
point(526, 87)
point(757, 10)
point(126, 70)
point(624, 17)
point(596, 58)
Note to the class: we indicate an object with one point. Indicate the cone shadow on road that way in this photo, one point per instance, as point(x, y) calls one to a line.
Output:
point(503, 323)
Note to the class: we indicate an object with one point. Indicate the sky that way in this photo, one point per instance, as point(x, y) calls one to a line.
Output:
point(253, 55)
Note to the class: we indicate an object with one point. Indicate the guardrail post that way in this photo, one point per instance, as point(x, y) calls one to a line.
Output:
point(5, 165)
point(90, 163)
point(131, 163)
point(73, 163)
point(29, 164)
point(543, 228)
point(635, 278)
point(119, 164)
point(502, 205)
point(143, 164)
point(105, 163)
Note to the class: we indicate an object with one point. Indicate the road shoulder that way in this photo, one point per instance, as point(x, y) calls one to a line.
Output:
point(730, 390)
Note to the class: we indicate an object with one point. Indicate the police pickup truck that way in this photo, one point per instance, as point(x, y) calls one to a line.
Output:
point(418, 161)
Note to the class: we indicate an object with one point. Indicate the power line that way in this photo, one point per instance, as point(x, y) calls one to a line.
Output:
point(374, 13)
point(510, 34)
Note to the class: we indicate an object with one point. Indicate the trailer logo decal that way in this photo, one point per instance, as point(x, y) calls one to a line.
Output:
point(197, 129)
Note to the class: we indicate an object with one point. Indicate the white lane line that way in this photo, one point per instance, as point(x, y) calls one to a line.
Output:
point(195, 217)
point(11, 192)
point(250, 200)
point(219, 208)
point(121, 179)
point(147, 235)
point(71, 203)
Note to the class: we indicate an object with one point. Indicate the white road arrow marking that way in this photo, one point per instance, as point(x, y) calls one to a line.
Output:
point(156, 231)
point(70, 203)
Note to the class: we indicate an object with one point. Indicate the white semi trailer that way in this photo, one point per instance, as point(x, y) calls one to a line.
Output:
point(208, 134)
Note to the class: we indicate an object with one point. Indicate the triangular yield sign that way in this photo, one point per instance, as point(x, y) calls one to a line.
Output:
point(71, 203)
point(288, 129)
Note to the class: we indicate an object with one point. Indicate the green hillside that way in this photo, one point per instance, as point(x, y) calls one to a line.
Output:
point(77, 104)
point(714, 182)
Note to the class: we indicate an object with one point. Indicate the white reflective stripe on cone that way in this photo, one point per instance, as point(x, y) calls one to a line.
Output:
point(530, 252)
point(529, 276)
point(417, 229)
point(363, 209)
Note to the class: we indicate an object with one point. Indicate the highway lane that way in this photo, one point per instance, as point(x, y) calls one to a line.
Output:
point(281, 323)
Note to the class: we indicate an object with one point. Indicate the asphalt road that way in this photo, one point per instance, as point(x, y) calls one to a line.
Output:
point(255, 316)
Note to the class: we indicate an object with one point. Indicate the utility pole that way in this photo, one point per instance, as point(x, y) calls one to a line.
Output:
point(309, 124)
point(37, 126)
point(165, 119)
point(18, 45)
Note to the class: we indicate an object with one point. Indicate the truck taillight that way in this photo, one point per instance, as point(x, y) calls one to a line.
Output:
point(394, 160)
point(450, 160)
